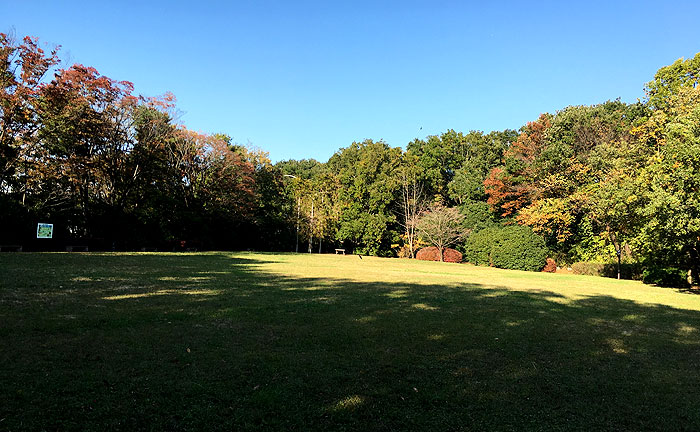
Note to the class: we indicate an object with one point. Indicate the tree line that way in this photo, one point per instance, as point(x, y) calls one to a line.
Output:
point(610, 183)
point(115, 169)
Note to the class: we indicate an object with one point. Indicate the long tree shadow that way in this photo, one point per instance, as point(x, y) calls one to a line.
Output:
point(191, 342)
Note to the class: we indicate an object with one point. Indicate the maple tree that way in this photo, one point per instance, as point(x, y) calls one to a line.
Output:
point(85, 136)
point(23, 68)
point(101, 162)
point(510, 187)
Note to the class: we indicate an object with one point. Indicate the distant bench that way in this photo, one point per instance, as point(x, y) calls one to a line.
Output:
point(10, 248)
point(72, 248)
point(337, 251)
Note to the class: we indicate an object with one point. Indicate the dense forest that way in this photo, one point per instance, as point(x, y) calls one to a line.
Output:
point(614, 183)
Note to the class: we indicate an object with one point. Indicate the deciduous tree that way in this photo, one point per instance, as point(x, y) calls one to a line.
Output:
point(442, 227)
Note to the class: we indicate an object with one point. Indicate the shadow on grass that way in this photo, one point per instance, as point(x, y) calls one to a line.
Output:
point(695, 290)
point(194, 342)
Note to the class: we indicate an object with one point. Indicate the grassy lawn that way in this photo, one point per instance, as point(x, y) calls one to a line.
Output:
point(248, 341)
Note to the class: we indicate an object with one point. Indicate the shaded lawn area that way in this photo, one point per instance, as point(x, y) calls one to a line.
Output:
point(246, 341)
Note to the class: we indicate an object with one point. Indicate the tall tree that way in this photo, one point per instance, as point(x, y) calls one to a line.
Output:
point(413, 199)
point(440, 156)
point(23, 67)
point(368, 189)
point(304, 169)
point(481, 154)
point(559, 169)
point(672, 177)
point(87, 131)
point(510, 186)
point(669, 80)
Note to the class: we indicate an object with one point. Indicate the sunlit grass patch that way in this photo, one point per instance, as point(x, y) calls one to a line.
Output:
point(185, 279)
point(349, 403)
point(163, 292)
point(686, 329)
point(423, 306)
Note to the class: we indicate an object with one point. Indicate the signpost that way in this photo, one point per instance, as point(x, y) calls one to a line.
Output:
point(44, 231)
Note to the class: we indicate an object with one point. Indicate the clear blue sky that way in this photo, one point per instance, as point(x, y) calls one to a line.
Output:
point(302, 79)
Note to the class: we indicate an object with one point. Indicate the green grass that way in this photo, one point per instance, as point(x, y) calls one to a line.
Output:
point(248, 341)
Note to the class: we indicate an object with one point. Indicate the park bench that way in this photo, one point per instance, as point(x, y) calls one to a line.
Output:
point(10, 248)
point(75, 248)
point(337, 251)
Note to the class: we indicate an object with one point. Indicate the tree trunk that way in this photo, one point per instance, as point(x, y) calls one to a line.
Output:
point(619, 263)
point(618, 249)
point(311, 237)
point(298, 216)
point(410, 237)
point(694, 266)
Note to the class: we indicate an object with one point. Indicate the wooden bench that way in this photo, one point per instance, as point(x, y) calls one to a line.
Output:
point(72, 248)
point(337, 251)
point(10, 248)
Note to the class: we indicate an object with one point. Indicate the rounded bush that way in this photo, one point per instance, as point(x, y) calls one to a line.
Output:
point(432, 254)
point(452, 255)
point(512, 247)
point(477, 248)
point(550, 266)
point(428, 254)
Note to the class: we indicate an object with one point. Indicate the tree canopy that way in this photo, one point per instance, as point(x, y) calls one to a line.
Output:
point(607, 182)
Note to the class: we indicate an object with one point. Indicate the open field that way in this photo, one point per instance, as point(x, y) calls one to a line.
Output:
point(248, 341)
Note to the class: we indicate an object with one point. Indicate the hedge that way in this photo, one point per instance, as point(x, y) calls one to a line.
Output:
point(627, 270)
point(666, 277)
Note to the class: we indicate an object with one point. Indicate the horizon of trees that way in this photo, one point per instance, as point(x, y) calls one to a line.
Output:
point(611, 182)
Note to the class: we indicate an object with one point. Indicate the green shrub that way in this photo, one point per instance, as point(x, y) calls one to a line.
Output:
point(665, 277)
point(631, 271)
point(519, 249)
point(588, 268)
point(512, 247)
point(477, 215)
point(627, 270)
point(477, 247)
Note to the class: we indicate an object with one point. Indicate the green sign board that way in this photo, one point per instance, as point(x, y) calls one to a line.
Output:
point(44, 231)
